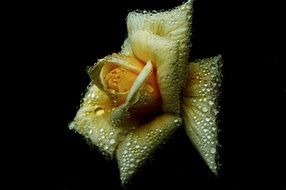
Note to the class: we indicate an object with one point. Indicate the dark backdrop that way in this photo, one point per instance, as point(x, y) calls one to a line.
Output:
point(247, 35)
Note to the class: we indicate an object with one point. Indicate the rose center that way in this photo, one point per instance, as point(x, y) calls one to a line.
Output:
point(120, 80)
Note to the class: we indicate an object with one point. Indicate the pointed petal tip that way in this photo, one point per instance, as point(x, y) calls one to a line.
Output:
point(139, 145)
point(200, 108)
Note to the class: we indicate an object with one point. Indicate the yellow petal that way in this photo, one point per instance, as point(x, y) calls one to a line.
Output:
point(200, 107)
point(92, 121)
point(174, 25)
point(142, 142)
point(133, 96)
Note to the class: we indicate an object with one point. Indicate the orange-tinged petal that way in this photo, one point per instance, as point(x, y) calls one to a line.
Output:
point(116, 74)
point(120, 80)
point(141, 94)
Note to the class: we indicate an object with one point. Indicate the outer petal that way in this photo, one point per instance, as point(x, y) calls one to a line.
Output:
point(92, 121)
point(163, 38)
point(200, 107)
point(142, 142)
point(134, 97)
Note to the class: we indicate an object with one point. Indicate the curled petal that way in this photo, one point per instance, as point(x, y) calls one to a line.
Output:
point(142, 142)
point(92, 121)
point(200, 107)
point(134, 95)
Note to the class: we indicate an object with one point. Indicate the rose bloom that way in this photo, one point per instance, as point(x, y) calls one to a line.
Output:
point(138, 97)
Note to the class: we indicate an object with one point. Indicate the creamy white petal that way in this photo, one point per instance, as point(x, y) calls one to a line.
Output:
point(200, 107)
point(163, 38)
point(133, 96)
point(140, 144)
point(92, 121)
point(174, 25)
point(126, 48)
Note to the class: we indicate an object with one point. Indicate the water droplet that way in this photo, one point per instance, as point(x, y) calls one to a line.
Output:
point(208, 119)
point(205, 109)
point(99, 111)
point(149, 88)
point(101, 130)
point(128, 144)
point(137, 146)
point(71, 126)
point(105, 147)
point(212, 150)
point(112, 141)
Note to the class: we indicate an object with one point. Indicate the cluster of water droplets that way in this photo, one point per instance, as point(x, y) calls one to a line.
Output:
point(140, 144)
point(200, 107)
point(92, 121)
point(173, 26)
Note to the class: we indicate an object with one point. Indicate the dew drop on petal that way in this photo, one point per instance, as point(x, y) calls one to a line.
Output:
point(212, 150)
point(211, 103)
point(99, 111)
point(112, 141)
point(205, 109)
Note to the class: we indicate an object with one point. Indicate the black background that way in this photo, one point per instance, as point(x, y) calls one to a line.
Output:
point(249, 37)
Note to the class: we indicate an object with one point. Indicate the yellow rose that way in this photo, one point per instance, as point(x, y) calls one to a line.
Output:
point(141, 95)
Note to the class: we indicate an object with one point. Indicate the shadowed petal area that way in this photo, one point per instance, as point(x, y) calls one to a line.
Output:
point(142, 142)
point(200, 107)
point(92, 121)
